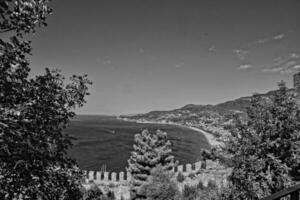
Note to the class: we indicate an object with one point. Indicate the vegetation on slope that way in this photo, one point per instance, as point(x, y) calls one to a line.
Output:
point(214, 119)
point(264, 148)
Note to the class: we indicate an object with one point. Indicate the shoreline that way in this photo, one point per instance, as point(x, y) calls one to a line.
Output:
point(210, 138)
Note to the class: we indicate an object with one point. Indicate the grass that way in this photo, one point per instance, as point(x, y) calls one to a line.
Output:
point(105, 140)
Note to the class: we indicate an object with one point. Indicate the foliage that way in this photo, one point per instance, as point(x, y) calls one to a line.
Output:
point(192, 175)
point(190, 192)
point(23, 16)
point(34, 112)
point(210, 194)
point(150, 150)
point(264, 148)
point(180, 177)
point(212, 184)
point(200, 185)
point(110, 196)
point(199, 192)
point(160, 186)
point(95, 193)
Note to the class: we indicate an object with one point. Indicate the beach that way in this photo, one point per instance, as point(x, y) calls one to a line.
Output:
point(212, 140)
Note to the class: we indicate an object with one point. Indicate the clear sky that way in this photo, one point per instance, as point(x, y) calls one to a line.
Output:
point(145, 55)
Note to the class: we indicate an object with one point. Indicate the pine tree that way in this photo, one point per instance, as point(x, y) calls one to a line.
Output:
point(150, 151)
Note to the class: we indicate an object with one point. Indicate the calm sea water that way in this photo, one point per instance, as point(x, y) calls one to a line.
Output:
point(105, 140)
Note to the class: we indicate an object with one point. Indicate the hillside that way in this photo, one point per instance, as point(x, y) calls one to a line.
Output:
point(211, 118)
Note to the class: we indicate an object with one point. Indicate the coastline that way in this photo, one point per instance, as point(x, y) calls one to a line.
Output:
point(210, 138)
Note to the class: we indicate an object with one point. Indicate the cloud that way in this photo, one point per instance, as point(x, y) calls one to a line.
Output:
point(282, 60)
point(179, 65)
point(284, 64)
point(278, 37)
point(294, 55)
point(297, 67)
point(104, 61)
point(212, 49)
point(240, 53)
point(273, 70)
point(267, 39)
point(244, 66)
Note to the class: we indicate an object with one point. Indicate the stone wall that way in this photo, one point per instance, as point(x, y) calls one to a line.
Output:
point(100, 177)
point(199, 171)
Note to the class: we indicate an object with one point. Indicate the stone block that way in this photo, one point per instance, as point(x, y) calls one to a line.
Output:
point(98, 176)
point(188, 168)
point(106, 175)
point(114, 176)
point(121, 176)
point(180, 168)
point(198, 165)
point(128, 176)
point(91, 175)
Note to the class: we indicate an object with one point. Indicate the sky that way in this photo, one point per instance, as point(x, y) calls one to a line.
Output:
point(145, 55)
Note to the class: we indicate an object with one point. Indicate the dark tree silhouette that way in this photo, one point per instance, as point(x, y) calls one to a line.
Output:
point(34, 112)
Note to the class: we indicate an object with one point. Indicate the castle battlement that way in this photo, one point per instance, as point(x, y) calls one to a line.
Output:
point(119, 182)
point(101, 177)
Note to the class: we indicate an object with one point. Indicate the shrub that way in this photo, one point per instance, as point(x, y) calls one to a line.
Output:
point(180, 177)
point(94, 193)
point(209, 194)
point(110, 196)
point(212, 184)
point(111, 185)
point(192, 175)
point(190, 192)
point(160, 186)
point(200, 185)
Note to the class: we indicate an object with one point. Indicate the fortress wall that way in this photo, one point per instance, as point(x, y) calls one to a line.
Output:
point(119, 182)
point(100, 177)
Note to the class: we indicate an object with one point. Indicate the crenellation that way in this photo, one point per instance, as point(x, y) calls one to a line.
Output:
point(189, 168)
point(198, 166)
point(106, 176)
point(180, 168)
point(91, 176)
point(114, 177)
point(128, 176)
point(121, 180)
point(121, 176)
point(98, 176)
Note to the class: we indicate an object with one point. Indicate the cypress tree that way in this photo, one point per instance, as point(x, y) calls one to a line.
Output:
point(149, 151)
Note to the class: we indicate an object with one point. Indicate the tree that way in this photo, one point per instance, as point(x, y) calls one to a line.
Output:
point(264, 148)
point(150, 150)
point(34, 112)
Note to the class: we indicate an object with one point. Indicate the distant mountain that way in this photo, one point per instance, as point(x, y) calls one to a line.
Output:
point(212, 118)
point(239, 104)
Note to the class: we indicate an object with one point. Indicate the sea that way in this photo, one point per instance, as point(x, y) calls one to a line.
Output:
point(105, 142)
